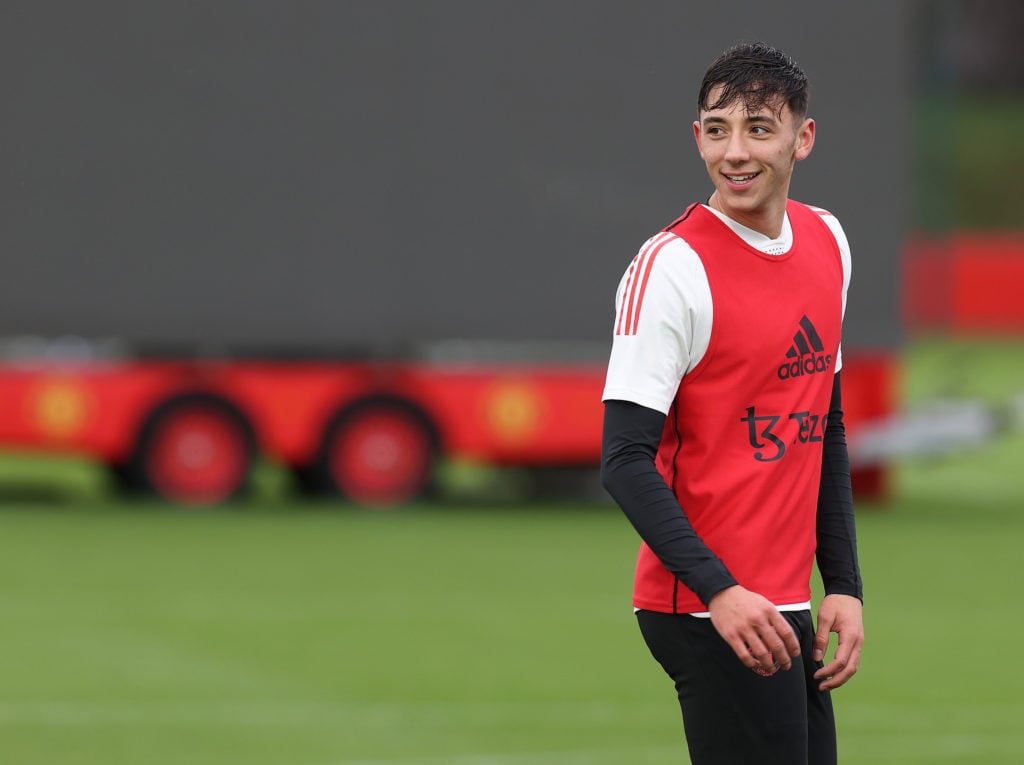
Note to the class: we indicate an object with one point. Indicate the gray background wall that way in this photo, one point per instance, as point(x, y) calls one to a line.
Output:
point(324, 174)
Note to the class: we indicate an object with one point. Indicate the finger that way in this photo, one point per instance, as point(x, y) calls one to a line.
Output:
point(768, 651)
point(839, 670)
point(838, 663)
point(752, 652)
point(790, 643)
point(830, 670)
point(778, 653)
point(781, 657)
point(821, 639)
point(767, 665)
point(847, 650)
point(838, 677)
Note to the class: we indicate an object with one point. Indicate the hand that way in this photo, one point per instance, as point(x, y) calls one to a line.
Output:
point(842, 614)
point(754, 628)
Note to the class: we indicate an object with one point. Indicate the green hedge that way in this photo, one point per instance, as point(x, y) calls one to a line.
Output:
point(968, 162)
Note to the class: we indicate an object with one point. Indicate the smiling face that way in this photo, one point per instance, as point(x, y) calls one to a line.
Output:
point(750, 157)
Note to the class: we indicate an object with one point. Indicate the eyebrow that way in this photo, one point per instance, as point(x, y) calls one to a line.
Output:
point(750, 120)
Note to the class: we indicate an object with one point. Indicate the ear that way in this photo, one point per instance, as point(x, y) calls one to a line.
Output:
point(696, 137)
point(804, 139)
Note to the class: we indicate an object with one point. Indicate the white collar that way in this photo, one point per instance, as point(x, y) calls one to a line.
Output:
point(778, 246)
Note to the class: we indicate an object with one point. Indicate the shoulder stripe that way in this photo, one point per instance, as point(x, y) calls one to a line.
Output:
point(647, 275)
point(625, 294)
point(636, 286)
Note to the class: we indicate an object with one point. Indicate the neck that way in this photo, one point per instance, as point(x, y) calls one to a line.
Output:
point(767, 222)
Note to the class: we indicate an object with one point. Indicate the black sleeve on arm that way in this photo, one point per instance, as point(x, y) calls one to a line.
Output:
point(629, 445)
point(836, 530)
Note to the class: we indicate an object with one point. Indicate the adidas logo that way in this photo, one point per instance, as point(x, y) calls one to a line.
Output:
point(806, 353)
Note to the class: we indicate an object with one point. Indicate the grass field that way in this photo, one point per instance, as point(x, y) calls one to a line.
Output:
point(285, 633)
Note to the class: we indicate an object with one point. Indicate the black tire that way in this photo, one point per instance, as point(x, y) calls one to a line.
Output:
point(194, 449)
point(124, 478)
point(378, 452)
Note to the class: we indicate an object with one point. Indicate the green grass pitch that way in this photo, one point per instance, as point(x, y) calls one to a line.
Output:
point(282, 633)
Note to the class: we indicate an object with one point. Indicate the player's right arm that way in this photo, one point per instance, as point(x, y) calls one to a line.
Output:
point(662, 329)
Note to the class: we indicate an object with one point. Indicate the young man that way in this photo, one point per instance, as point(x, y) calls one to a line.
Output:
point(724, 442)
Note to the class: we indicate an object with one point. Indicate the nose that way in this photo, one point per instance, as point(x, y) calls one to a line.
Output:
point(736, 149)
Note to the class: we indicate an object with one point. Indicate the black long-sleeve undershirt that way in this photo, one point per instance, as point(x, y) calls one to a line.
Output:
point(631, 437)
point(836, 529)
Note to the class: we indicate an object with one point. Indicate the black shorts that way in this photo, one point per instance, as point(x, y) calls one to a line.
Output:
point(731, 714)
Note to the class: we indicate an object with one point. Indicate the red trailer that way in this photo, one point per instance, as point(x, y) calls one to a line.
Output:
point(189, 430)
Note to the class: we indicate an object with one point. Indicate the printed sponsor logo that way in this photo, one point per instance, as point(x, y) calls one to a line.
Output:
point(763, 432)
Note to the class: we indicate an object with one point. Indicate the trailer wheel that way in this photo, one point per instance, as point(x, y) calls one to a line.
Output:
point(195, 449)
point(379, 452)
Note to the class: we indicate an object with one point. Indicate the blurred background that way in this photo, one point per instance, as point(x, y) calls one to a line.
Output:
point(302, 336)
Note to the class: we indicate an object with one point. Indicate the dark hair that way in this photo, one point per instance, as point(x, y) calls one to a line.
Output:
point(757, 74)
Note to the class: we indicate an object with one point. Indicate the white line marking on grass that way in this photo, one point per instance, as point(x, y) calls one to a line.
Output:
point(206, 714)
point(295, 711)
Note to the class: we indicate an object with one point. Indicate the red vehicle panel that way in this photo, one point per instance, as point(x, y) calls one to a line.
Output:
point(504, 414)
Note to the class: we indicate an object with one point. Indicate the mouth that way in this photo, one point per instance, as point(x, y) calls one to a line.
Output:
point(740, 180)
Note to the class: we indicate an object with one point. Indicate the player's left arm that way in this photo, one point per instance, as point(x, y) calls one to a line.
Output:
point(841, 609)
